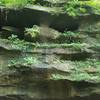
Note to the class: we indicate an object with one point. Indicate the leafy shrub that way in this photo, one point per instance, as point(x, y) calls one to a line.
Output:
point(33, 32)
point(16, 42)
point(76, 7)
point(16, 3)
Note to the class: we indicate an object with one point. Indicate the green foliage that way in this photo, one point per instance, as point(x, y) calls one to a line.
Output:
point(33, 32)
point(88, 64)
point(13, 38)
point(72, 37)
point(16, 3)
point(92, 28)
point(93, 3)
point(27, 46)
point(76, 46)
point(76, 7)
point(81, 71)
point(16, 42)
point(28, 60)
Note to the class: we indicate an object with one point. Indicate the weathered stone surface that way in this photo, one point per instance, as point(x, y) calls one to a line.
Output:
point(49, 71)
point(62, 51)
point(18, 66)
point(35, 82)
point(46, 34)
point(37, 15)
point(7, 31)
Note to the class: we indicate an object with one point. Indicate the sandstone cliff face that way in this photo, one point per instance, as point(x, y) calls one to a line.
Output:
point(46, 54)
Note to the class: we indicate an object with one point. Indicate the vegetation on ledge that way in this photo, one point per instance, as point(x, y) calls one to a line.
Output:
point(71, 7)
point(76, 7)
point(49, 49)
point(81, 71)
point(18, 44)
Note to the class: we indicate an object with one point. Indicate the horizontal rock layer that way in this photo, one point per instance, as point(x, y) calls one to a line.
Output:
point(61, 68)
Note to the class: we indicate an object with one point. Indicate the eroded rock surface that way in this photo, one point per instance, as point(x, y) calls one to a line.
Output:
point(49, 65)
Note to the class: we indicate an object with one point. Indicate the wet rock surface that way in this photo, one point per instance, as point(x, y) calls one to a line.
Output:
point(44, 63)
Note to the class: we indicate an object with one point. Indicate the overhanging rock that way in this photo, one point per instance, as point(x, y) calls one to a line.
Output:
point(38, 15)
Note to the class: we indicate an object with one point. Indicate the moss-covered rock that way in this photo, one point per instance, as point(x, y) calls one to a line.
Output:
point(50, 50)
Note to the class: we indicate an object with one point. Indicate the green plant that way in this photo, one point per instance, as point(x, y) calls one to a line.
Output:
point(30, 60)
point(76, 7)
point(13, 37)
point(92, 28)
point(16, 42)
point(81, 71)
point(33, 32)
point(76, 46)
point(14, 3)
